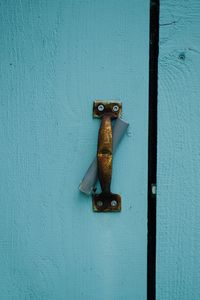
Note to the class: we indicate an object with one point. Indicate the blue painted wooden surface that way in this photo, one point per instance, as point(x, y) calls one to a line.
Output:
point(56, 58)
point(178, 205)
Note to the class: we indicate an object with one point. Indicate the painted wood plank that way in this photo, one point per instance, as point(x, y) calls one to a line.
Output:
point(56, 58)
point(178, 205)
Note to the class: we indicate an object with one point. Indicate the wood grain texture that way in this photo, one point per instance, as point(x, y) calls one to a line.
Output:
point(56, 58)
point(178, 205)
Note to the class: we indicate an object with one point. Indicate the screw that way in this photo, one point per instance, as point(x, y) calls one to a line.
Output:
point(114, 203)
point(99, 203)
point(100, 107)
point(115, 108)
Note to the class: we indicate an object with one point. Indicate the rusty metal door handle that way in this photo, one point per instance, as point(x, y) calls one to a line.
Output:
point(107, 111)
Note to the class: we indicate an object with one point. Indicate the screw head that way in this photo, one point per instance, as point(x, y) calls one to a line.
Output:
point(99, 203)
point(114, 203)
point(100, 107)
point(115, 108)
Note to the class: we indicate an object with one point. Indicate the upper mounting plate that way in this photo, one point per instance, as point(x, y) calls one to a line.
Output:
point(101, 107)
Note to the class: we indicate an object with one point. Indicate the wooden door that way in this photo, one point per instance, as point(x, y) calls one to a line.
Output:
point(178, 209)
point(56, 58)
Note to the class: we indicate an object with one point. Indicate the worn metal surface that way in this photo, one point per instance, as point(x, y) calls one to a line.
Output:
point(106, 202)
point(108, 108)
point(107, 111)
point(89, 180)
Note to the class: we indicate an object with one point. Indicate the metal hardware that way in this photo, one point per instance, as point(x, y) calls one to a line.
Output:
point(100, 107)
point(115, 108)
point(106, 201)
point(89, 180)
point(153, 189)
point(114, 203)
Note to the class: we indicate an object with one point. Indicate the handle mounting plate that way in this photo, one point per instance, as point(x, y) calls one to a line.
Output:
point(106, 202)
point(102, 107)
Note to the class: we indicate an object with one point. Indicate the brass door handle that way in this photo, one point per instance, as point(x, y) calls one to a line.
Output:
point(107, 111)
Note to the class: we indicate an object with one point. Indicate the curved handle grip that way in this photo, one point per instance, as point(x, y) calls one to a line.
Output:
point(104, 154)
point(106, 201)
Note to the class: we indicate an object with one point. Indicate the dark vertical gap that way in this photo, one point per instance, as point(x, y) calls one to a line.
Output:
point(152, 148)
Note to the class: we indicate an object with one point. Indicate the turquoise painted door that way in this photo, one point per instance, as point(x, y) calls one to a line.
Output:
point(178, 206)
point(56, 58)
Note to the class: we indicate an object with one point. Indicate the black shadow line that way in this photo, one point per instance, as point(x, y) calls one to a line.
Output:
point(152, 148)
